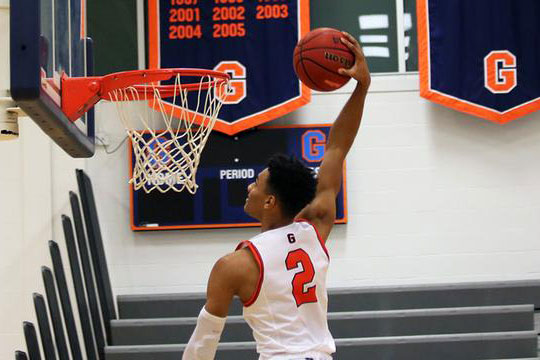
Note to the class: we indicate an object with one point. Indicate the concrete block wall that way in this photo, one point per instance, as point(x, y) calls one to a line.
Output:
point(434, 196)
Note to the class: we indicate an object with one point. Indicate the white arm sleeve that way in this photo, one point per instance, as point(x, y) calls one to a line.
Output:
point(205, 338)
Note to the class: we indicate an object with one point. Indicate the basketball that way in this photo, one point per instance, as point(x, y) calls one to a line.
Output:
point(317, 58)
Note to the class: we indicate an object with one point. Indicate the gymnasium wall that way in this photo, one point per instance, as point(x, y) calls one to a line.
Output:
point(433, 196)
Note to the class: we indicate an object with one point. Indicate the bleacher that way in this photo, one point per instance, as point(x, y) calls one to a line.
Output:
point(462, 321)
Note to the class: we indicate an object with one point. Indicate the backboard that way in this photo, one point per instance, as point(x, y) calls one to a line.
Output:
point(48, 41)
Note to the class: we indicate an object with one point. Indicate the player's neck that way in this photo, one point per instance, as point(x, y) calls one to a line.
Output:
point(274, 223)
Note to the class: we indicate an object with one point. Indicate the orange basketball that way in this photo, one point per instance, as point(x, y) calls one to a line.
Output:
point(318, 56)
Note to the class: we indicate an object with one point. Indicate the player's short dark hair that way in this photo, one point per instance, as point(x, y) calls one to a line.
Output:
point(292, 183)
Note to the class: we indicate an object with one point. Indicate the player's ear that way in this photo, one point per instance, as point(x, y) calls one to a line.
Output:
point(270, 202)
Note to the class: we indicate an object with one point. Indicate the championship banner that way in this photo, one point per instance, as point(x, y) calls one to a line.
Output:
point(228, 165)
point(481, 57)
point(252, 41)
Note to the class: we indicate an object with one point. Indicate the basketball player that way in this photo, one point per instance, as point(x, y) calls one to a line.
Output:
point(280, 274)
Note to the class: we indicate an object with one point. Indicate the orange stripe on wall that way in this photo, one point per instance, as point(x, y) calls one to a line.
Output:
point(345, 213)
point(153, 35)
point(83, 19)
point(263, 117)
point(304, 17)
point(481, 112)
point(186, 227)
point(423, 46)
point(247, 123)
point(131, 194)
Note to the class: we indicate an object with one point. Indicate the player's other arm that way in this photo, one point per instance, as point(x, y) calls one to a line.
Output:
point(322, 210)
point(205, 338)
point(230, 276)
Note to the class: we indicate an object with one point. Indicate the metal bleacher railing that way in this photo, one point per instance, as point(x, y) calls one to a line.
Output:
point(67, 309)
point(94, 315)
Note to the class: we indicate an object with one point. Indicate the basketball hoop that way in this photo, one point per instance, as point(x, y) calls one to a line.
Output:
point(167, 137)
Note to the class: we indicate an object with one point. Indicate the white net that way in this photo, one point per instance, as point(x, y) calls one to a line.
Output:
point(168, 137)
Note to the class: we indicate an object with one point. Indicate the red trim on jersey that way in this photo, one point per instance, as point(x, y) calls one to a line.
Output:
point(242, 245)
point(318, 235)
point(258, 258)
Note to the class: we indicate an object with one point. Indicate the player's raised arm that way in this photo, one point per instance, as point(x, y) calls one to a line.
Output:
point(322, 210)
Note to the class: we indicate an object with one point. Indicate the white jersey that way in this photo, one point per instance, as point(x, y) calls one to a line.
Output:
point(287, 312)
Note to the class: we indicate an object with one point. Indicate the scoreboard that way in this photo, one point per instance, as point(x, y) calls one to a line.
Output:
point(228, 165)
point(251, 40)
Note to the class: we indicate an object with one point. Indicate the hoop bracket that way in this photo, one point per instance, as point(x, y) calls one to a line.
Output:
point(79, 95)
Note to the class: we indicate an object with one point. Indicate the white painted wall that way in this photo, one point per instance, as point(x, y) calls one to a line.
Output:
point(24, 230)
point(434, 196)
point(35, 177)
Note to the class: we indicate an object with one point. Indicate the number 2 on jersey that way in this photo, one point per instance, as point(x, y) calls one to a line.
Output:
point(294, 258)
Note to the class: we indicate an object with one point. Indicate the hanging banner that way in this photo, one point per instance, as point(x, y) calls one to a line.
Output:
point(480, 57)
point(252, 41)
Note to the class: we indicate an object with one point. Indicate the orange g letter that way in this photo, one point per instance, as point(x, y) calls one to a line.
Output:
point(500, 74)
point(237, 86)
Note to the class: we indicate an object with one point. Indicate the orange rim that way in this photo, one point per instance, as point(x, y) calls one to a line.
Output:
point(146, 82)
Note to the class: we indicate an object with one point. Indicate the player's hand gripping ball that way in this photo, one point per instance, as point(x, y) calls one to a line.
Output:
point(318, 56)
